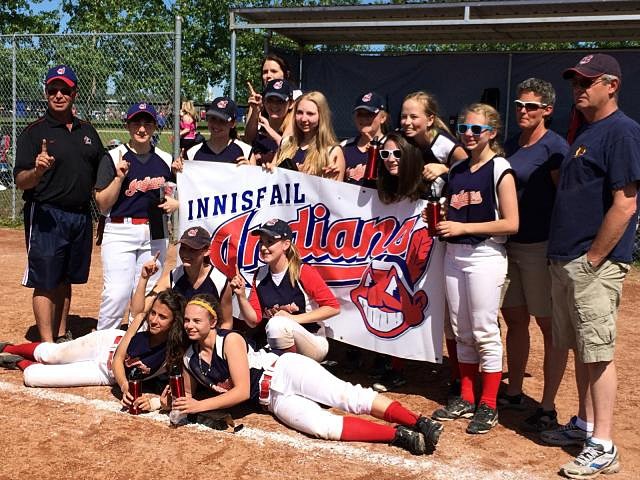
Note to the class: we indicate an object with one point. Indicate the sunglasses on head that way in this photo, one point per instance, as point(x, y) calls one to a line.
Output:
point(529, 106)
point(475, 129)
point(51, 91)
point(384, 154)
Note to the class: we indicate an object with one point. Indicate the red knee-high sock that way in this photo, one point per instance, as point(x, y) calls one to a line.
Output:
point(356, 429)
point(490, 385)
point(452, 351)
point(468, 372)
point(396, 413)
point(24, 350)
point(22, 364)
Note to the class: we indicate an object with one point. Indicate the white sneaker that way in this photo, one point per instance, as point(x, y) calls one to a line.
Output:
point(569, 434)
point(592, 461)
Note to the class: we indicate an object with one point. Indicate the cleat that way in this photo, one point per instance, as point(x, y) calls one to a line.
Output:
point(456, 408)
point(409, 440)
point(430, 429)
point(511, 402)
point(10, 361)
point(592, 461)
point(389, 381)
point(483, 420)
point(540, 421)
point(3, 345)
point(67, 337)
point(565, 435)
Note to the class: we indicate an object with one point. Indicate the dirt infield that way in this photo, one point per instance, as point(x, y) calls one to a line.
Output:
point(80, 432)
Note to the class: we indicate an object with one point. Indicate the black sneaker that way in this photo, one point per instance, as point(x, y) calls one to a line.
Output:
point(10, 361)
point(389, 381)
point(456, 408)
point(454, 389)
point(67, 337)
point(540, 421)
point(409, 440)
point(511, 402)
point(430, 429)
point(483, 420)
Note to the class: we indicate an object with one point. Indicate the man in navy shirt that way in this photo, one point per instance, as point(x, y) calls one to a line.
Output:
point(590, 248)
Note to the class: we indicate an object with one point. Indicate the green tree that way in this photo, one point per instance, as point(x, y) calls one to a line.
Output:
point(17, 16)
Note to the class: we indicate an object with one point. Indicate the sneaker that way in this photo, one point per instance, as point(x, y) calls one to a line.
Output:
point(511, 402)
point(540, 421)
point(483, 420)
point(10, 361)
point(3, 345)
point(456, 408)
point(564, 435)
point(430, 429)
point(591, 461)
point(67, 337)
point(409, 440)
point(391, 380)
point(454, 389)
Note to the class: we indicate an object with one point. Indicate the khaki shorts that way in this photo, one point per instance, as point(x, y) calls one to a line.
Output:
point(528, 281)
point(585, 307)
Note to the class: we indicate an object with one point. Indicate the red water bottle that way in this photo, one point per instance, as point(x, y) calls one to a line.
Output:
point(433, 216)
point(176, 384)
point(135, 388)
point(371, 170)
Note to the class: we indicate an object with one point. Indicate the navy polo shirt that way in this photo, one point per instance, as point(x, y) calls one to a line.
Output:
point(536, 192)
point(69, 183)
point(604, 157)
point(230, 154)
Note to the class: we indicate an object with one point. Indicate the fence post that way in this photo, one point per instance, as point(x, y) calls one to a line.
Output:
point(14, 127)
point(232, 89)
point(177, 75)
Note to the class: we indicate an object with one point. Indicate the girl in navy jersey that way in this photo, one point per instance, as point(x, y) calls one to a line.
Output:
point(194, 276)
point(291, 386)
point(313, 145)
point(128, 186)
point(103, 357)
point(289, 295)
point(482, 211)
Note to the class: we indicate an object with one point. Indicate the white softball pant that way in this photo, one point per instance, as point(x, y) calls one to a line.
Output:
point(84, 361)
point(125, 248)
point(474, 275)
point(283, 333)
point(298, 387)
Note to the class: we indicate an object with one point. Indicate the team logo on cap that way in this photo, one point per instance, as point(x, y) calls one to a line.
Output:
point(142, 106)
point(278, 85)
point(367, 97)
point(192, 233)
point(271, 223)
point(222, 104)
point(60, 71)
point(87, 140)
point(580, 151)
point(586, 59)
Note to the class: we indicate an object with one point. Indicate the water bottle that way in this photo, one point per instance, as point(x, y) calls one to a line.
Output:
point(371, 169)
point(176, 383)
point(135, 388)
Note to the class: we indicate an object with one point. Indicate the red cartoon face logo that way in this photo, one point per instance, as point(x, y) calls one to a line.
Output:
point(586, 59)
point(278, 85)
point(142, 106)
point(367, 97)
point(193, 232)
point(61, 71)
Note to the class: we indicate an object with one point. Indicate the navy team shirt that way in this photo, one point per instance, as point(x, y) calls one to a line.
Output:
point(605, 156)
point(230, 154)
point(536, 192)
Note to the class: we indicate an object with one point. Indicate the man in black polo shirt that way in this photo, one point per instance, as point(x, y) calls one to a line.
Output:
point(56, 163)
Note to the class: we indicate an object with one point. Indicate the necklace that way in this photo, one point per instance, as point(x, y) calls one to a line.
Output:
point(204, 372)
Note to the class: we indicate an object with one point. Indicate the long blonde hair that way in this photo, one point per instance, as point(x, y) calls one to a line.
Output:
point(187, 107)
point(430, 107)
point(493, 120)
point(295, 263)
point(317, 155)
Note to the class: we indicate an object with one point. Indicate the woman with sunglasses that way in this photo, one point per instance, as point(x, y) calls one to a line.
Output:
point(128, 191)
point(288, 295)
point(292, 387)
point(103, 357)
point(482, 211)
point(535, 155)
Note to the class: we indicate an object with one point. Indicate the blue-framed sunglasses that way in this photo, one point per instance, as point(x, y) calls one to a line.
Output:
point(475, 129)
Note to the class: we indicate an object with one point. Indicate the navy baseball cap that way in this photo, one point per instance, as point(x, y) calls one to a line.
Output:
point(223, 108)
point(278, 88)
point(196, 238)
point(62, 72)
point(142, 108)
point(276, 229)
point(370, 101)
point(594, 65)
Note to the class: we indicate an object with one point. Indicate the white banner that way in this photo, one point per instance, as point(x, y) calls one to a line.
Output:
point(378, 259)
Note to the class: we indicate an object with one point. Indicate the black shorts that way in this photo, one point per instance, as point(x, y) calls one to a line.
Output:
point(59, 246)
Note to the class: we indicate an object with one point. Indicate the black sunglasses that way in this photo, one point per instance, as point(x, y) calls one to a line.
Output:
point(51, 91)
point(475, 129)
point(529, 106)
point(384, 154)
point(584, 82)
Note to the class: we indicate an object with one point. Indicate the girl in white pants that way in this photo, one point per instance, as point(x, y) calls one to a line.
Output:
point(482, 210)
point(291, 387)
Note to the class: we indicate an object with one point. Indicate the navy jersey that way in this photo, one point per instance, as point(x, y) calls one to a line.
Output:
point(264, 143)
point(140, 354)
point(216, 377)
point(441, 148)
point(604, 157)
point(353, 156)
point(230, 154)
point(213, 284)
point(299, 156)
point(536, 192)
point(474, 196)
point(140, 188)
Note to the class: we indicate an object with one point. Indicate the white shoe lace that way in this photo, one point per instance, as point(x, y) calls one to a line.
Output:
point(588, 454)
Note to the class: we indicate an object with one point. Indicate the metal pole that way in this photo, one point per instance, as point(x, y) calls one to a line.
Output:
point(14, 94)
point(177, 75)
point(300, 57)
point(507, 113)
point(232, 89)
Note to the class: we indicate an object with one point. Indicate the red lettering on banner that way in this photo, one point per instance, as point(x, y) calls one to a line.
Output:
point(224, 244)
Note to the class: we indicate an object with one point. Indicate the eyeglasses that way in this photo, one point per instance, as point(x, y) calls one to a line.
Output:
point(384, 154)
point(475, 129)
point(585, 83)
point(529, 106)
point(51, 91)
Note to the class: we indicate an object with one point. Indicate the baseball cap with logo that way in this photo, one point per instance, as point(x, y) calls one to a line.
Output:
point(276, 229)
point(61, 72)
point(142, 108)
point(370, 101)
point(594, 65)
point(223, 108)
point(278, 88)
point(196, 238)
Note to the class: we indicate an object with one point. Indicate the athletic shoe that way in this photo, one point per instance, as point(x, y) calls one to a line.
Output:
point(3, 345)
point(10, 361)
point(430, 429)
point(67, 337)
point(483, 420)
point(591, 461)
point(409, 440)
point(390, 380)
point(540, 421)
point(454, 389)
point(456, 408)
point(564, 435)
point(511, 402)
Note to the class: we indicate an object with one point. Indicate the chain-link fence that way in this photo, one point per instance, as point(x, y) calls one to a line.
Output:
point(114, 71)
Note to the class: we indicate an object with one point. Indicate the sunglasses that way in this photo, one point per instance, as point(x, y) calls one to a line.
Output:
point(475, 129)
point(529, 106)
point(584, 83)
point(51, 91)
point(384, 154)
